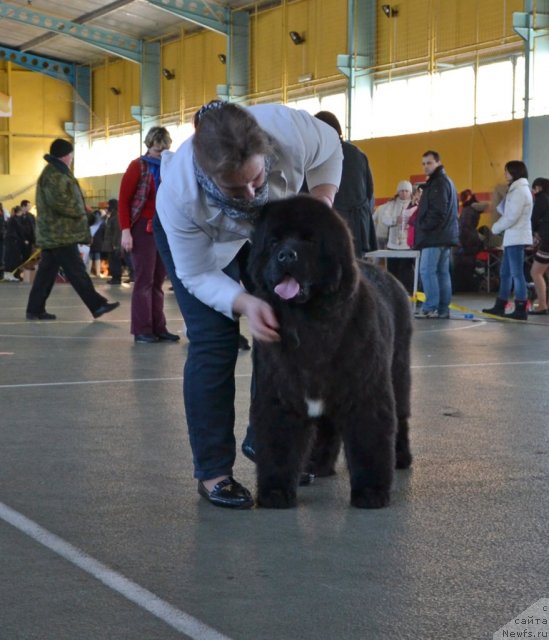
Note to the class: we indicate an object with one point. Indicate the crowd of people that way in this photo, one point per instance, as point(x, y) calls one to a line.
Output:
point(189, 215)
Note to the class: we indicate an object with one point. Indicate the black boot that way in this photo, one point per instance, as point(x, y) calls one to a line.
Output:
point(520, 312)
point(498, 309)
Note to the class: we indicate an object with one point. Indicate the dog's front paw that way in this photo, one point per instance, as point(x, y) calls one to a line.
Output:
point(277, 499)
point(370, 498)
point(403, 459)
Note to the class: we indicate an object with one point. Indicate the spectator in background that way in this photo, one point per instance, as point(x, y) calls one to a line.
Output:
point(97, 230)
point(395, 215)
point(111, 243)
point(540, 228)
point(3, 227)
point(436, 230)
point(17, 246)
point(137, 207)
point(354, 199)
point(29, 223)
point(62, 223)
point(381, 229)
point(470, 243)
point(515, 221)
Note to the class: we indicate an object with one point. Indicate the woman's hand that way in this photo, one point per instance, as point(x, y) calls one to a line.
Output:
point(126, 241)
point(262, 321)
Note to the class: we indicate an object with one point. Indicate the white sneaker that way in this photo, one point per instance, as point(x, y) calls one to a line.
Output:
point(426, 314)
point(9, 277)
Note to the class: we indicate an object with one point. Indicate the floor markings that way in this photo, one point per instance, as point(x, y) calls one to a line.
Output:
point(143, 598)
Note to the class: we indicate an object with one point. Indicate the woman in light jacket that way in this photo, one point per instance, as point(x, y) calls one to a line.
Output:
point(516, 212)
point(211, 192)
point(394, 215)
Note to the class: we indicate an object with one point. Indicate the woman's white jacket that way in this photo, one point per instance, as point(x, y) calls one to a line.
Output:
point(389, 213)
point(516, 211)
point(202, 240)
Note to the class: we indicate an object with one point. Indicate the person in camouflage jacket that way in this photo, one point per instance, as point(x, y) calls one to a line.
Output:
point(62, 218)
point(61, 225)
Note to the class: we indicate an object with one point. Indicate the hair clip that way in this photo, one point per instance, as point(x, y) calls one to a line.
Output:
point(213, 104)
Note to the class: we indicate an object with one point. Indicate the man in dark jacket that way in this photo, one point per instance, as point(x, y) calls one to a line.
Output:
point(61, 225)
point(436, 231)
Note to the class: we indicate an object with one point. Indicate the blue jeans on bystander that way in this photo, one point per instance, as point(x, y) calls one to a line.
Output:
point(434, 269)
point(511, 273)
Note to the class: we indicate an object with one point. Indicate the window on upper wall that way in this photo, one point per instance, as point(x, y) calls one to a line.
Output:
point(520, 75)
point(446, 100)
point(495, 92)
point(335, 102)
point(453, 98)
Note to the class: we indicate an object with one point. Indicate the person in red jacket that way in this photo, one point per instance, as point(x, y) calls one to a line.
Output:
point(136, 209)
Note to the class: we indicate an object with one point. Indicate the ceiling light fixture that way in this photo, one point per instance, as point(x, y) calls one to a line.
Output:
point(115, 91)
point(389, 11)
point(296, 37)
point(222, 58)
point(169, 75)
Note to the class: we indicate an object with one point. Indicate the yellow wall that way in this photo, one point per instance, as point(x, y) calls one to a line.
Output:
point(108, 109)
point(427, 29)
point(474, 157)
point(276, 63)
point(41, 106)
point(100, 188)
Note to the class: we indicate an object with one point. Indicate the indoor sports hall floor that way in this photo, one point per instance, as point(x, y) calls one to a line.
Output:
point(104, 537)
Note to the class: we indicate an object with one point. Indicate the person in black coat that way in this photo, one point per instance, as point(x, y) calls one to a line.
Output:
point(3, 225)
point(355, 196)
point(436, 231)
point(540, 229)
point(17, 247)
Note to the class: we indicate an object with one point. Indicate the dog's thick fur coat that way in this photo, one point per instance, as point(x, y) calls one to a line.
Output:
point(341, 371)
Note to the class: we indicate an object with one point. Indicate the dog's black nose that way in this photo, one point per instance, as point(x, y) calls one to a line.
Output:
point(287, 255)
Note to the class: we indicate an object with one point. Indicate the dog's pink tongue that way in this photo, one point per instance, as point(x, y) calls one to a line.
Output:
point(288, 288)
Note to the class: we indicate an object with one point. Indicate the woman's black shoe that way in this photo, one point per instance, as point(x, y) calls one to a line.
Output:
point(538, 312)
point(227, 493)
point(168, 337)
point(145, 338)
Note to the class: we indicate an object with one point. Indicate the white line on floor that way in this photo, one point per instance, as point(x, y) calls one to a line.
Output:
point(463, 365)
point(77, 382)
point(164, 611)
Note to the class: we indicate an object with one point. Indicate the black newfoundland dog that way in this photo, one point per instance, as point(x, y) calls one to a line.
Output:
point(341, 371)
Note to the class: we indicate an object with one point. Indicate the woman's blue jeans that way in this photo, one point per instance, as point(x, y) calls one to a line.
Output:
point(511, 274)
point(208, 375)
point(434, 269)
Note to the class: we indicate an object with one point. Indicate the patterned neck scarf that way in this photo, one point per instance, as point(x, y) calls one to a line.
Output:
point(235, 208)
point(154, 168)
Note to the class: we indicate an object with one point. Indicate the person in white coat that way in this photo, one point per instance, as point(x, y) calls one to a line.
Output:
point(516, 211)
point(211, 192)
point(395, 214)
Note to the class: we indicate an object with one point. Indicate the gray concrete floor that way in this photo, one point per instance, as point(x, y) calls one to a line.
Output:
point(93, 450)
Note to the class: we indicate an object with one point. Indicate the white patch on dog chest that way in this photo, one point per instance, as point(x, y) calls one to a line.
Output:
point(315, 408)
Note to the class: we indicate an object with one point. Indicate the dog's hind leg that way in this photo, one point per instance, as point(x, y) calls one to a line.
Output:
point(402, 382)
point(326, 448)
point(369, 441)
